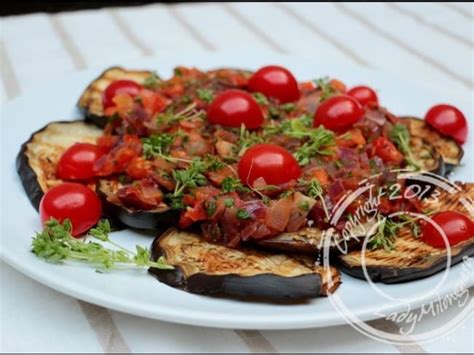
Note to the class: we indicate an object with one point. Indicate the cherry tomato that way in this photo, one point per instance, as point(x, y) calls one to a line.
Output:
point(277, 82)
point(268, 161)
point(386, 150)
point(365, 95)
point(455, 225)
point(233, 107)
point(338, 113)
point(71, 201)
point(448, 120)
point(77, 161)
point(119, 87)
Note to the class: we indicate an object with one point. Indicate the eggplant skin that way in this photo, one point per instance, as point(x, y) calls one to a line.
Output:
point(158, 219)
point(38, 156)
point(245, 278)
point(28, 177)
point(393, 275)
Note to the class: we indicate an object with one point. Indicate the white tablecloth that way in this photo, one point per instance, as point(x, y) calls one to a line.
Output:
point(432, 43)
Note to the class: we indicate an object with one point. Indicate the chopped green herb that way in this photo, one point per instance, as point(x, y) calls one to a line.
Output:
point(243, 214)
point(190, 177)
point(401, 137)
point(213, 163)
point(211, 208)
point(152, 81)
point(385, 235)
point(205, 95)
point(247, 139)
point(157, 145)
point(260, 98)
point(288, 107)
point(320, 142)
point(186, 99)
point(303, 205)
point(315, 190)
point(231, 184)
point(169, 117)
point(325, 86)
point(229, 202)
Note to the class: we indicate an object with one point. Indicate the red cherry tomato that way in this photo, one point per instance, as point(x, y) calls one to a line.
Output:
point(277, 82)
point(365, 95)
point(386, 150)
point(268, 161)
point(448, 120)
point(455, 225)
point(338, 113)
point(119, 87)
point(77, 162)
point(231, 108)
point(73, 201)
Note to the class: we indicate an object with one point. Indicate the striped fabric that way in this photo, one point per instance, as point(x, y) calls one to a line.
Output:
point(432, 43)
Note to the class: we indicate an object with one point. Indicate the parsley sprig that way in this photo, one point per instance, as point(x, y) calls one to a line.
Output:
point(55, 244)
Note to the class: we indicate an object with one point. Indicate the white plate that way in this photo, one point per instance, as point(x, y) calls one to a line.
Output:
point(137, 292)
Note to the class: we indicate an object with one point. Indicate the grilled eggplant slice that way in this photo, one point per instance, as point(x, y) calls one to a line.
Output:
point(36, 162)
point(157, 219)
point(450, 151)
point(427, 156)
point(412, 259)
point(211, 269)
point(91, 99)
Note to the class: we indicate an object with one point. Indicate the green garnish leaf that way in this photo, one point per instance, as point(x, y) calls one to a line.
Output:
point(243, 214)
point(56, 244)
point(260, 98)
point(152, 81)
point(157, 145)
point(205, 95)
point(229, 202)
point(400, 135)
point(325, 86)
point(232, 184)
